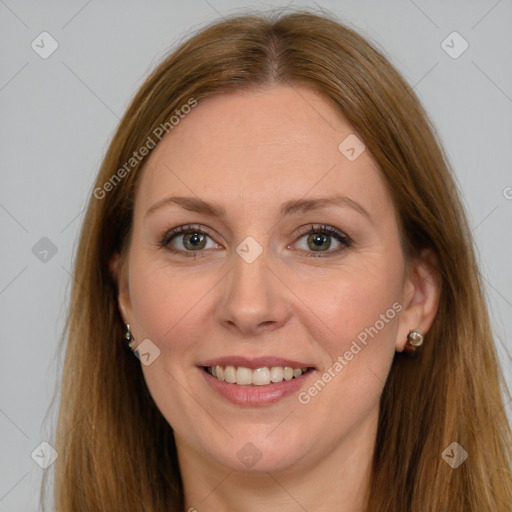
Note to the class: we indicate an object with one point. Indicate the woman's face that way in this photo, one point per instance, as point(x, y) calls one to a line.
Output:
point(287, 256)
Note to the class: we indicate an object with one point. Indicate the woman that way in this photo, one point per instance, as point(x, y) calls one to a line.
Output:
point(274, 233)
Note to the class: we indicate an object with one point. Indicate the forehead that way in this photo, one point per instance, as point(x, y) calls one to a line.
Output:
point(262, 146)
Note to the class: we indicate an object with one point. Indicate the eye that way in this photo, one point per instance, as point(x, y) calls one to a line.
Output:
point(319, 239)
point(190, 240)
point(187, 239)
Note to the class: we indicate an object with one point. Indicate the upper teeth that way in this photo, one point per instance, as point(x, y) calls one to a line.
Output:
point(259, 377)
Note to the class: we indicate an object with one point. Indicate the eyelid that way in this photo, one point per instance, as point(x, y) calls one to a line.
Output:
point(322, 228)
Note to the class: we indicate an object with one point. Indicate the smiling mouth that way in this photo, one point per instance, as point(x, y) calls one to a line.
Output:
point(243, 376)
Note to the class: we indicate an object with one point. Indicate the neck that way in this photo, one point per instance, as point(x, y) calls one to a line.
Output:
point(338, 480)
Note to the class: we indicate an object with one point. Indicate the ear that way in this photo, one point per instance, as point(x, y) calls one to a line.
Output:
point(420, 297)
point(119, 270)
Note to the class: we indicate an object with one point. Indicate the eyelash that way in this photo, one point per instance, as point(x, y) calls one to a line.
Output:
point(341, 237)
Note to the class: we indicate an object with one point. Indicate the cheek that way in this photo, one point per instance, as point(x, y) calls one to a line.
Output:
point(351, 304)
point(163, 299)
point(355, 319)
point(365, 312)
point(168, 307)
point(150, 296)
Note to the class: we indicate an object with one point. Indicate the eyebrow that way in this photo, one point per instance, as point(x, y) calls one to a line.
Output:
point(212, 209)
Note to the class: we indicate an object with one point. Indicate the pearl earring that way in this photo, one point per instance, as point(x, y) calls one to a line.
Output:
point(414, 340)
point(128, 338)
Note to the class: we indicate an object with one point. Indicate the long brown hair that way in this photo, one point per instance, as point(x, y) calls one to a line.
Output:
point(117, 452)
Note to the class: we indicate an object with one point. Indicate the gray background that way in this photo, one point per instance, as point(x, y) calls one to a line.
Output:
point(58, 114)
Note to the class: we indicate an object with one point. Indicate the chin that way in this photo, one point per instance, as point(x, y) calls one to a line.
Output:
point(259, 451)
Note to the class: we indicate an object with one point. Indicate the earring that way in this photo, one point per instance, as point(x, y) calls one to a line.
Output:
point(414, 340)
point(128, 338)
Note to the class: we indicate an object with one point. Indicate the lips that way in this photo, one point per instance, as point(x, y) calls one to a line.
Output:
point(257, 381)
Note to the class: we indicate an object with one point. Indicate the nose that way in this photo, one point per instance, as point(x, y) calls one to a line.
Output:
point(254, 300)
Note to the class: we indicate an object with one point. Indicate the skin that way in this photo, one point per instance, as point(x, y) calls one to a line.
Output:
point(250, 152)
